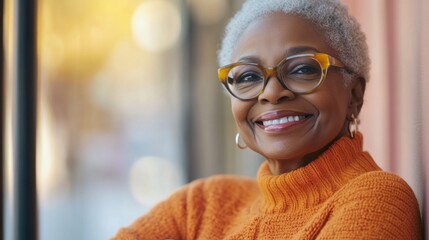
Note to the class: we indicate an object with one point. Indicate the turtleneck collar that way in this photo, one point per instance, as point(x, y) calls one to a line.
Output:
point(312, 184)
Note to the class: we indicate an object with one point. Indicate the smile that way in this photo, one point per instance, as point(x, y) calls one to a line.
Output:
point(279, 121)
point(283, 120)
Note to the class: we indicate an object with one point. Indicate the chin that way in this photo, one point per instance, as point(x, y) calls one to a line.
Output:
point(290, 152)
point(283, 153)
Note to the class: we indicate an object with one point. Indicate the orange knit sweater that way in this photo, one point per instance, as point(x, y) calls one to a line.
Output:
point(343, 194)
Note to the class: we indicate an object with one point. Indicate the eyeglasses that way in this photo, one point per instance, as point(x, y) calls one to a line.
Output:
point(301, 74)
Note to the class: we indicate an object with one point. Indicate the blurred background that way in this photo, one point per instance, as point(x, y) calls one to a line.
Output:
point(130, 108)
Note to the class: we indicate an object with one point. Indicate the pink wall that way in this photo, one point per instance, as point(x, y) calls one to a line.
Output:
point(397, 94)
point(424, 58)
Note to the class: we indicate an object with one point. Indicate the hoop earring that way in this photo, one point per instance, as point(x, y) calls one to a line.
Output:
point(237, 142)
point(353, 126)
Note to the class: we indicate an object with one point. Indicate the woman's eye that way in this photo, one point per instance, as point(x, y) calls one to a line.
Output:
point(248, 77)
point(305, 69)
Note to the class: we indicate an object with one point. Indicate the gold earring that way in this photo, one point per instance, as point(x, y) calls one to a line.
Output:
point(237, 142)
point(353, 126)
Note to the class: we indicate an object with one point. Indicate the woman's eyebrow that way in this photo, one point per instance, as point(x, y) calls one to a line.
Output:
point(300, 49)
point(289, 52)
point(249, 59)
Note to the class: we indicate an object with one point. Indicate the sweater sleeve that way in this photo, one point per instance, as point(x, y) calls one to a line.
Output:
point(167, 220)
point(376, 205)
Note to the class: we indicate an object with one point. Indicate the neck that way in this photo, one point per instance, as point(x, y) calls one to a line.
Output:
point(278, 167)
point(310, 185)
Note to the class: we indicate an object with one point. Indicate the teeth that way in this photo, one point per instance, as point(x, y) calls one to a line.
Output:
point(283, 120)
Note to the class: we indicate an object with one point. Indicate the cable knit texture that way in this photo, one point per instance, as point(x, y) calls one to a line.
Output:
point(343, 194)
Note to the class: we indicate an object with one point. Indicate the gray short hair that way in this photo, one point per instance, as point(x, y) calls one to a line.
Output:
point(342, 31)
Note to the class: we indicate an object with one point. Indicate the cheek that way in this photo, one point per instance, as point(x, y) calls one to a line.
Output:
point(240, 112)
point(235, 109)
point(333, 106)
point(238, 109)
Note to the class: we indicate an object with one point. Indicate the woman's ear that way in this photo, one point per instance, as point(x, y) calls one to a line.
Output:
point(357, 91)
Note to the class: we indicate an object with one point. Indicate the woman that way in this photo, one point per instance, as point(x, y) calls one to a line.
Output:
point(296, 71)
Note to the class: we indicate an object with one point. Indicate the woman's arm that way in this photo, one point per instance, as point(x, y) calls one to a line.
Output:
point(167, 220)
point(178, 217)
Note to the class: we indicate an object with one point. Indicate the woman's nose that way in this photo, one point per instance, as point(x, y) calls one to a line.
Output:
point(274, 92)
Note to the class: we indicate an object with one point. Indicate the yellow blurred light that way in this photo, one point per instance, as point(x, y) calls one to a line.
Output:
point(53, 54)
point(156, 25)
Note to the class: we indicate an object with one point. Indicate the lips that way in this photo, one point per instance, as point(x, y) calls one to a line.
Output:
point(279, 120)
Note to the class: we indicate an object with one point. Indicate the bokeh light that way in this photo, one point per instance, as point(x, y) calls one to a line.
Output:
point(153, 178)
point(52, 171)
point(157, 25)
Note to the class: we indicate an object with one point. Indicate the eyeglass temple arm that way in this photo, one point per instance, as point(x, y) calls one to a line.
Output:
point(335, 62)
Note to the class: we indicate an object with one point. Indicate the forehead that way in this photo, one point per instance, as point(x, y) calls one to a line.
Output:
point(271, 37)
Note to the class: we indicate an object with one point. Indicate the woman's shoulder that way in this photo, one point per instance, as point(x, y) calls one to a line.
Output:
point(381, 194)
point(219, 185)
point(220, 194)
point(376, 205)
point(216, 189)
point(378, 186)
point(378, 182)
point(228, 179)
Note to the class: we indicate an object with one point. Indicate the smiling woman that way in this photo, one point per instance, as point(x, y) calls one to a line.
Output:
point(321, 112)
point(296, 71)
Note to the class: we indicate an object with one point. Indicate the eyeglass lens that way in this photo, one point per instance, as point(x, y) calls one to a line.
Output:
point(299, 74)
